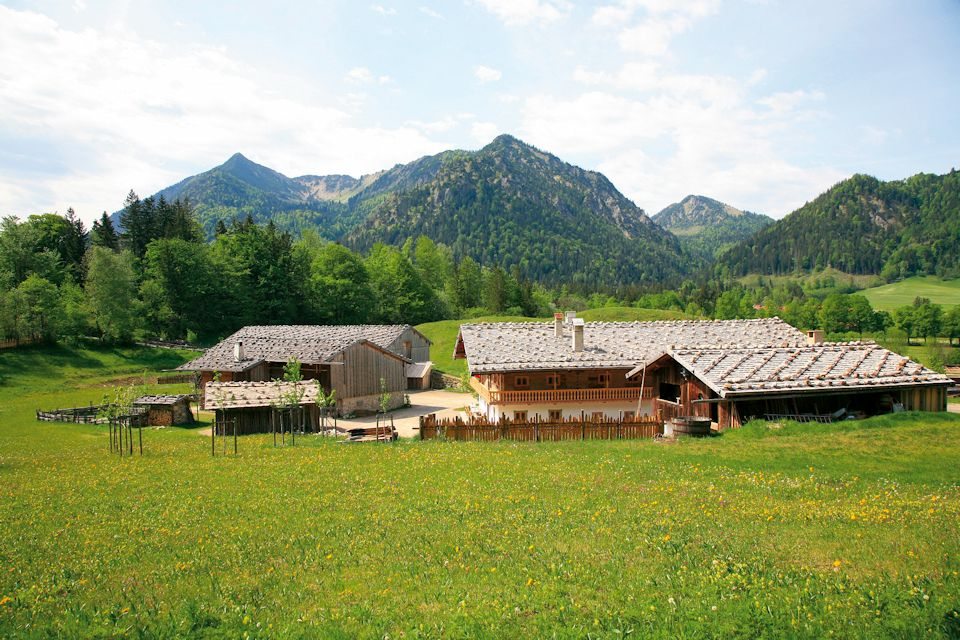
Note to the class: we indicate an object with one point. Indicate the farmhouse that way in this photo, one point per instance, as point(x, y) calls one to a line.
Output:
point(727, 370)
point(351, 360)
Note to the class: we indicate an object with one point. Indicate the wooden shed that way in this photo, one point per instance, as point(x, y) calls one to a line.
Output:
point(418, 375)
point(169, 410)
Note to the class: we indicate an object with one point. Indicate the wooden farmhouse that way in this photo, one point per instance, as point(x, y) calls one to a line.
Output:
point(727, 370)
point(349, 359)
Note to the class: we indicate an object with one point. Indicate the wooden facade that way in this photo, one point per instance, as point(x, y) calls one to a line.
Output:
point(357, 380)
point(412, 345)
point(697, 399)
point(672, 392)
point(546, 387)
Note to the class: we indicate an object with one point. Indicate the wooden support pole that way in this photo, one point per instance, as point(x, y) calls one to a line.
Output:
point(140, 432)
point(213, 436)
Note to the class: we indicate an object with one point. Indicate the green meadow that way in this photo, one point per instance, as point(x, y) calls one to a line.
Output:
point(898, 294)
point(849, 530)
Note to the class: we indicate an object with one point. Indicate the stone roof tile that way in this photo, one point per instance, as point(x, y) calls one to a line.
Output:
point(520, 346)
point(738, 372)
point(310, 344)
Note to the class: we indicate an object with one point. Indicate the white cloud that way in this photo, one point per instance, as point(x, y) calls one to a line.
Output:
point(785, 101)
point(874, 136)
point(660, 22)
point(521, 12)
point(359, 75)
point(81, 97)
point(758, 76)
point(442, 125)
point(383, 11)
point(427, 11)
point(484, 132)
point(486, 74)
point(659, 137)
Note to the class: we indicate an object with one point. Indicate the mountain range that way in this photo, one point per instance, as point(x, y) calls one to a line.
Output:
point(507, 203)
point(517, 206)
point(706, 227)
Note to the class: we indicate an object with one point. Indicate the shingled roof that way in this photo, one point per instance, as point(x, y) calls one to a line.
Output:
point(239, 395)
point(310, 344)
point(818, 368)
point(532, 346)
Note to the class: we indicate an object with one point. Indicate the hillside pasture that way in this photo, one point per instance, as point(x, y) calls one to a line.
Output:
point(898, 294)
point(807, 531)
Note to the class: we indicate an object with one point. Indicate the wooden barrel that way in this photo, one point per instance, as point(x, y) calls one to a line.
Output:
point(690, 426)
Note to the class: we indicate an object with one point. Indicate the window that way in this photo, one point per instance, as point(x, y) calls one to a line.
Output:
point(597, 415)
point(553, 381)
point(555, 414)
point(629, 415)
point(604, 379)
point(670, 392)
point(519, 416)
point(521, 382)
point(408, 348)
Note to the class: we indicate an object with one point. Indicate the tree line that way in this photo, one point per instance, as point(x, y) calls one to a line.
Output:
point(157, 276)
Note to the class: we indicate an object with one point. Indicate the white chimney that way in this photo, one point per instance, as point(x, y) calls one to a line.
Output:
point(558, 325)
point(578, 334)
point(238, 351)
point(815, 337)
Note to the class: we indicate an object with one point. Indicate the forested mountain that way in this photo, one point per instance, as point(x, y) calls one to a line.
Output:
point(707, 227)
point(863, 226)
point(511, 204)
point(507, 204)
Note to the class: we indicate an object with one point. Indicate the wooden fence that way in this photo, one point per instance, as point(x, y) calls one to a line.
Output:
point(574, 428)
point(179, 378)
point(91, 414)
point(13, 343)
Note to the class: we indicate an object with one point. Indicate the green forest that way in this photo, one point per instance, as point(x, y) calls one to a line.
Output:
point(863, 226)
point(161, 278)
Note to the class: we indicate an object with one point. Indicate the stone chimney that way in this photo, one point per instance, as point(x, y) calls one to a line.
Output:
point(238, 351)
point(815, 337)
point(558, 325)
point(578, 334)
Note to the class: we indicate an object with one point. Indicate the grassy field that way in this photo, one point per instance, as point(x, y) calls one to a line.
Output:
point(444, 333)
point(890, 296)
point(808, 280)
point(849, 530)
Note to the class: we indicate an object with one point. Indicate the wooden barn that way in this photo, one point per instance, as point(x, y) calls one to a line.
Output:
point(253, 404)
point(727, 370)
point(170, 410)
point(821, 382)
point(356, 361)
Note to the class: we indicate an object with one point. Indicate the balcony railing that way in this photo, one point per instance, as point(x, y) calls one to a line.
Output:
point(555, 396)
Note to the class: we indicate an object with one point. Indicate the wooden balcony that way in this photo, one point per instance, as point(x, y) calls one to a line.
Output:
point(557, 396)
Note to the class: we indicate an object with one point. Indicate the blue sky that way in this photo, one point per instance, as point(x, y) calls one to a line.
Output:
point(761, 104)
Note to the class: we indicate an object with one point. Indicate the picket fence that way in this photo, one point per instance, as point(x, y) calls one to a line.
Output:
point(573, 428)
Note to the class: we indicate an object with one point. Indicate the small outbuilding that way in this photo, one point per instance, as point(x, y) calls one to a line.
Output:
point(418, 375)
point(165, 411)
